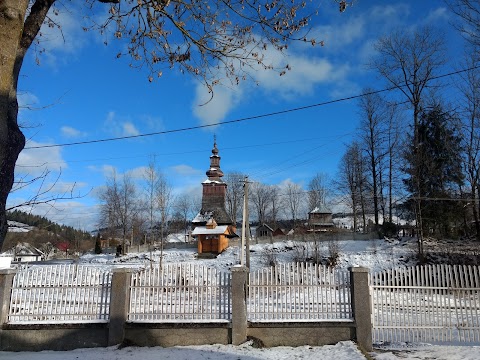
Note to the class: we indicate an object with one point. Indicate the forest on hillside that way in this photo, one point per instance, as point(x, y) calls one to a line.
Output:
point(47, 231)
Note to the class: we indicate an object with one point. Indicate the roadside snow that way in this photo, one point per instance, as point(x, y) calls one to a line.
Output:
point(342, 351)
point(346, 350)
point(426, 351)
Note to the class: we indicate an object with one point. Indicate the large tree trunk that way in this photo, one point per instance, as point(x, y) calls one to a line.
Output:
point(12, 141)
point(17, 32)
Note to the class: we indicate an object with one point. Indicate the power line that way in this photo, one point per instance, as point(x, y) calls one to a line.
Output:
point(187, 152)
point(248, 118)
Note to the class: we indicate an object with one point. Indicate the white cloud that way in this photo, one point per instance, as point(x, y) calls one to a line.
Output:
point(64, 187)
point(65, 37)
point(106, 170)
point(68, 212)
point(213, 110)
point(119, 125)
point(305, 74)
point(389, 13)
point(26, 100)
point(33, 162)
point(129, 129)
point(438, 15)
point(71, 132)
point(337, 36)
point(185, 170)
point(138, 173)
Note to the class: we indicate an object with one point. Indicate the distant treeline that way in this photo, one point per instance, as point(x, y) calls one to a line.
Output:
point(67, 233)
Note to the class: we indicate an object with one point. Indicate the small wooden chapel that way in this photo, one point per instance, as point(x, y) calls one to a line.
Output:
point(213, 227)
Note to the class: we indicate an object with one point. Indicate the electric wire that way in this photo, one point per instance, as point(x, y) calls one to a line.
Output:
point(248, 118)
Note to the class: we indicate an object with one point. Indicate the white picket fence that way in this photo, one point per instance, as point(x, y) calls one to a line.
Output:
point(180, 293)
point(299, 292)
point(60, 294)
point(431, 303)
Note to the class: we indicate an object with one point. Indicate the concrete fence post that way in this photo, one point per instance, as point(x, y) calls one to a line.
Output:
point(239, 304)
point(6, 282)
point(361, 306)
point(119, 302)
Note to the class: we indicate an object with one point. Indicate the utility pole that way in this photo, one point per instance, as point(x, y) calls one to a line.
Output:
point(245, 246)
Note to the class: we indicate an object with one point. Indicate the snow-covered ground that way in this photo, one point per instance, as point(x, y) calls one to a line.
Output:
point(14, 226)
point(346, 350)
point(376, 255)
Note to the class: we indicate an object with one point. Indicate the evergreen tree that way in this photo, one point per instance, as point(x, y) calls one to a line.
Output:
point(435, 183)
point(98, 246)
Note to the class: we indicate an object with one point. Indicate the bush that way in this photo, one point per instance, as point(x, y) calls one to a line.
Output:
point(270, 257)
point(333, 253)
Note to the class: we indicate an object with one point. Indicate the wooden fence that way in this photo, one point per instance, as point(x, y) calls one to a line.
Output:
point(299, 292)
point(60, 294)
point(180, 292)
point(431, 303)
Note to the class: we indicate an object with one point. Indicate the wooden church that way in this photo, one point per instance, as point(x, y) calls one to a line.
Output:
point(213, 227)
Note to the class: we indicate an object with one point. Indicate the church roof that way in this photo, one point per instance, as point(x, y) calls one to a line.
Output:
point(220, 216)
point(203, 230)
point(322, 209)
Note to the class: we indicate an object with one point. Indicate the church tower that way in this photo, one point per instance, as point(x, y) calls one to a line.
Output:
point(214, 193)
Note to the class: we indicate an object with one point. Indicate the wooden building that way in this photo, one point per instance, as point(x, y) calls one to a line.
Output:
point(320, 219)
point(213, 238)
point(213, 226)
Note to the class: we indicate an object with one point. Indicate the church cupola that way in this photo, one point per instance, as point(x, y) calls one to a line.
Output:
point(214, 173)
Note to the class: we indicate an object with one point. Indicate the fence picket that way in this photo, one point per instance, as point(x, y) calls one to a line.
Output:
point(58, 294)
point(426, 303)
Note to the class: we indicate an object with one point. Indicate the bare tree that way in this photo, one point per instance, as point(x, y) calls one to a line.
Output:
point(317, 191)
point(393, 142)
point(164, 200)
point(468, 12)
point(350, 181)
point(203, 40)
point(372, 135)
point(409, 62)
point(183, 205)
point(151, 179)
point(119, 204)
point(294, 197)
point(45, 191)
point(276, 203)
point(234, 195)
point(470, 106)
point(260, 198)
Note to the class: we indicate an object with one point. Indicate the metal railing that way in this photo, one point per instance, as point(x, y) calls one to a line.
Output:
point(180, 293)
point(299, 292)
point(60, 294)
point(430, 303)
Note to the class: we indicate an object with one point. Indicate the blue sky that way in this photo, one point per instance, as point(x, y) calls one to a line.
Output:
point(81, 92)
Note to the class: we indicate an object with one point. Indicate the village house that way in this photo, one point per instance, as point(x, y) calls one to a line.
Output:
point(263, 231)
point(23, 252)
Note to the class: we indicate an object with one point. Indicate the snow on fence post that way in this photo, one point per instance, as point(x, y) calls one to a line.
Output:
point(6, 282)
point(119, 302)
point(361, 306)
point(239, 304)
